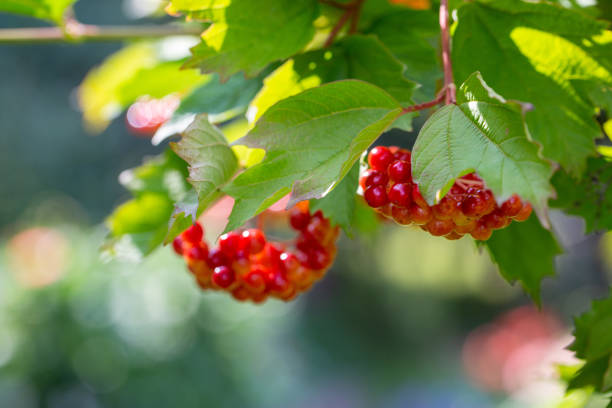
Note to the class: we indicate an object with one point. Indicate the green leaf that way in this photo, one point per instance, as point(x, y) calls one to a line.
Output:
point(412, 37)
point(482, 133)
point(542, 49)
point(356, 57)
point(593, 343)
point(211, 161)
point(339, 204)
point(129, 73)
point(524, 252)
point(312, 140)
point(138, 226)
point(247, 35)
point(224, 100)
point(590, 197)
point(51, 10)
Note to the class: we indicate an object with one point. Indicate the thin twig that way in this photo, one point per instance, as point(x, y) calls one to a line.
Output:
point(449, 82)
point(336, 29)
point(77, 32)
point(355, 17)
point(426, 105)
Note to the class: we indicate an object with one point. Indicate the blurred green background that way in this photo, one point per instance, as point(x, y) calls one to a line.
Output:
point(402, 319)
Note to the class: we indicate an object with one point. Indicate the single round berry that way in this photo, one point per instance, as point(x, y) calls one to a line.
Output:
point(217, 258)
point(481, 232)
point(278, 283)
point(317, 229)
point(420, 215)
point(177, 245)
point(489, 199)
point(466, 228)
point(495, 220)
point(379, 158)
point(401, 194)
point(299, 219)
point(440, 228)
point(229, 243)
point(255, 279)
point(223, 277)
point(401, 215)
point(403, 155)
point(512, 206)
point(376, 178)
point(376, 196)
point(253, 241)
point(241, 294)
point(193, 234)
point(399, 171)
point(445, 209)
point(318, 258)
point(474, 206)
point(524, 214)
point(289, 261)
point(197, 252)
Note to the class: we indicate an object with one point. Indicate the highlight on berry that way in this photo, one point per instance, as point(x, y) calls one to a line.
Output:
point(468, 208)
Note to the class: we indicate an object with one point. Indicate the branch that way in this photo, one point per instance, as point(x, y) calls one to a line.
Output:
point(449, 82)
point(352, 11)
point(77, 32)
point(426, 105)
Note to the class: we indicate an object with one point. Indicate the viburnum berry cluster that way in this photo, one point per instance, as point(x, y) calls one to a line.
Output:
point(468, 208)
point(250, 267)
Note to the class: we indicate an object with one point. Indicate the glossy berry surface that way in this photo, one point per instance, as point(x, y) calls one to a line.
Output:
point(249, 267)
point(468, 207)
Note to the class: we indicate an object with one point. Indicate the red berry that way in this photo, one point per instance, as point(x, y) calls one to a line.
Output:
point(524, 214)
point(229, 243)
point(376, 196)
point(299, 219)
point(453, 236)
point(420, 215)
point(379, 158)
point(253, 241)
point(495, 220)
point(223, 276)
point(376, 178)
point(474, 206)
point(318, 258)
point(445, 209)
point(241, 294)
point(217, 258)
point(289, 261)
point(401, 194)
point(318, 229)
point(481, 232)
point(512, 206)
point(177, 245)
point(403, 155)
point(439, 228)
point(466, 228)
point(197, 252)
point(399, 171)
point(277, 282)
point(401, 215)
point(193, 234)
point(255, 279)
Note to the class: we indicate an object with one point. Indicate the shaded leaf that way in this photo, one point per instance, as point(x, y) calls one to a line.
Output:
point(589, 197)
point(339, 204)
point(542, 49)
point(524, 252)
point(52, 10)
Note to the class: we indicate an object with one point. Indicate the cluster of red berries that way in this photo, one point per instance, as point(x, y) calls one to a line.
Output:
point(146, 115)
point(468, 208)
point(250, 267)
